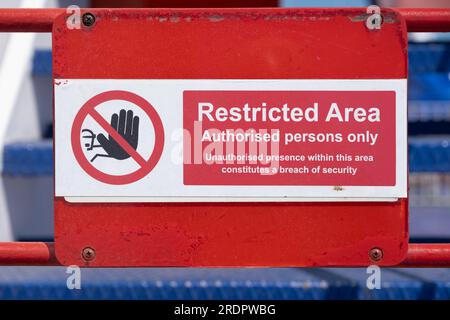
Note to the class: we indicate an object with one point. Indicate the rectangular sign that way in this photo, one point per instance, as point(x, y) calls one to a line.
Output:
point(230, 140)
point(290, 138)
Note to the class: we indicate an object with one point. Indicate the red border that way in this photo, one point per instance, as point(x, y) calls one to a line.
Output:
point(90, 106)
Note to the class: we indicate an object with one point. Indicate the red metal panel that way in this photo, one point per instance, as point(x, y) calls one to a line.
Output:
point(231, 43)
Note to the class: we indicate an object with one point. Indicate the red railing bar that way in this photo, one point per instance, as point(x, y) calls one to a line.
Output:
point(427, 255)
point(43, 254)
point(27, 253)
point(28, 20)
point(41, 20)
point(426, 20)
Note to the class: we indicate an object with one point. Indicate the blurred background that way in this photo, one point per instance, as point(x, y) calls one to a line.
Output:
point(26, 188)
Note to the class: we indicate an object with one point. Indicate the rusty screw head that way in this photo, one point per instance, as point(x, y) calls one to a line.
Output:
point(376, 254)
point(88, 254)
point(88, 19)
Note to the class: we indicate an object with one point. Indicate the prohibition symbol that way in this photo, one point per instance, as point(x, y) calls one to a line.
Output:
point(123, 133)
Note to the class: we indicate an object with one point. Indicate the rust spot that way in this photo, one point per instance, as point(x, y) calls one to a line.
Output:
point(216, 18)
point(174, 19)
point(61, 82)
point(388, 17)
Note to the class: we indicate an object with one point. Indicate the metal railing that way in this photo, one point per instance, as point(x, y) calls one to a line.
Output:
point(41, 20)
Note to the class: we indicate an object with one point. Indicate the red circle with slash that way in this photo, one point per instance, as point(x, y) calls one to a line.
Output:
point(145, 166)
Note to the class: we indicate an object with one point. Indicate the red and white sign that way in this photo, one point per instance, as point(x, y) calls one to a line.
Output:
point(230, 140)
point(82, 131)
point(334, 138)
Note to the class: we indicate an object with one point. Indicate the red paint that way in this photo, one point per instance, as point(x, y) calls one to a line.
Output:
point(428, 255)
point(426, 19)
point(227, 44)
point(184, 3)
point(379, 172)
point(42, 254)
point(287, 49)
point(28, 20)
point(146, 165)
point(41, 20)
point(27, 253)
point(249, 234)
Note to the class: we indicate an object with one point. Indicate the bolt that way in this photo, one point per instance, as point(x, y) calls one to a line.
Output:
point(88, 19)
point(376, 254)
point(88, 254)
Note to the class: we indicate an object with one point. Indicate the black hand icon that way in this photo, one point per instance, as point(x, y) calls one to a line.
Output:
point(128, 127)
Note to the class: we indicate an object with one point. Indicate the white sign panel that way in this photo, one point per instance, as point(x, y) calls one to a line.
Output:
point(230, 140)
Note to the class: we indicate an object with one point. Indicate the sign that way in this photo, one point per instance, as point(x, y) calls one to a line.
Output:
point(239, 140)
point(237, 218)
point(120, 139)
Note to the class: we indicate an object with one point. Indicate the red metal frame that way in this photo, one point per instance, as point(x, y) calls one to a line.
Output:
point(230, 234)
point(41, 20)
point(27, 253)
point(428, 255)
point(43, 254)
point(426, 20)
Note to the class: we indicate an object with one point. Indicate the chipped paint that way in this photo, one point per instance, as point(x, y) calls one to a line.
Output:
point(216, 18)
point(174, 18)
point(61, 82)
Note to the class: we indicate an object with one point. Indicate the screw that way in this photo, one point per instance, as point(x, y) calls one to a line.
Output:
point(376, 254)
point(88, 254)
point(88, 19)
